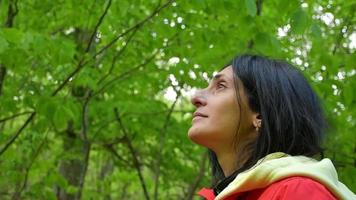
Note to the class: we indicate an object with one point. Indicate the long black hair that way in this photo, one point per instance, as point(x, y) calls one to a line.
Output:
point(292, 118)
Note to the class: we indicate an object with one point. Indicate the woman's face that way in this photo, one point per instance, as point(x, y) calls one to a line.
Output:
point(216, 119)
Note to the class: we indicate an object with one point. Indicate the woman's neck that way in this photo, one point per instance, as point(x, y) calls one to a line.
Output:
point(227, 162)
point(233, 159)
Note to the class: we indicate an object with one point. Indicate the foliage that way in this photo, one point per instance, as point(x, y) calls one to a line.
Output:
point(85, 111)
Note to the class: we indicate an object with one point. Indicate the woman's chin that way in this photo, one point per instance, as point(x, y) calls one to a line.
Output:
point(194, 135)
point(197, 136)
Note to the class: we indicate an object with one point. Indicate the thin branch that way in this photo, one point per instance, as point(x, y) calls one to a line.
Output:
point(133, 153)
point(130, 71)
point(14, 116)
point(251, 43)
point(11, 13)
point(87, 149)
point(111, 149)
point(12, 140)
point(119, 140)
point(97, 26)
point(137, 25)
point(162, 142)
point(259, 7)
point(80, 65)
point(87, 144)
point(124, 190)
point(340, 36)
point(114, 141)
point(85, 116)
point(17, 194)
point(83, 62)
point(100, 128)
point(192, 187)
point(125, 74)
point(118, 54)
point(2, 77)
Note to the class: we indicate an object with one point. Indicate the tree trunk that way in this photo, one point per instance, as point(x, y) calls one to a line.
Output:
point(73, 168)
point(76, 143)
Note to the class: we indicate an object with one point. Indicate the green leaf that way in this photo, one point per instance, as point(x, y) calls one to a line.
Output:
point(47, 107)
point(62, 115)
point(348, 94)
point(267, 44)
point(71, 189)
point(3, 45)
point(299, 21)
point(12, 35)
point(316, 31)
point(251, 7)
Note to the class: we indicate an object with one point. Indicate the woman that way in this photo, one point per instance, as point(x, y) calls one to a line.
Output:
point(262, 124)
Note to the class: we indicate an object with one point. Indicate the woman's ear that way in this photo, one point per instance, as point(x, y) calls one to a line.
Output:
point(257, 121)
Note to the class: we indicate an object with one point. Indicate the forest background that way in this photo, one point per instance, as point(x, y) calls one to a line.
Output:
point(94, 95)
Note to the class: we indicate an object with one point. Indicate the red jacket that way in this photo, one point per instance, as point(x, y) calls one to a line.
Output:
point(292, 188)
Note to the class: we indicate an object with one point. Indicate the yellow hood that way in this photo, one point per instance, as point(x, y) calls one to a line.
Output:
point(278, 166)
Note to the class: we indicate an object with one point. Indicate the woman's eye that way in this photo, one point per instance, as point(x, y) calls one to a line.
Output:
point(221, 85)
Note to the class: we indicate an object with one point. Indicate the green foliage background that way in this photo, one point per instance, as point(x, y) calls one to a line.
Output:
point(84, 110)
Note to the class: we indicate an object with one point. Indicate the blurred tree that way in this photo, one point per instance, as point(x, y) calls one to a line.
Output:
point(94, 95)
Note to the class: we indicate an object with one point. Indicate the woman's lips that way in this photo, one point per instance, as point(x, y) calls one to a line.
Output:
point(198, 115)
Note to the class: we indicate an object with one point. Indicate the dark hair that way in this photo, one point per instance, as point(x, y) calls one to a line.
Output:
point(292, 118)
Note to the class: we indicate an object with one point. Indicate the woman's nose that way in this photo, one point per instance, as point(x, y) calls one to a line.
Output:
point(198, 99)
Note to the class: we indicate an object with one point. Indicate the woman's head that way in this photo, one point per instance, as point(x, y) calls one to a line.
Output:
point(275, 110)
point(222, 116)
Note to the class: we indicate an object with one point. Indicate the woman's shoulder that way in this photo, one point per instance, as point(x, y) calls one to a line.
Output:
point(291, 188)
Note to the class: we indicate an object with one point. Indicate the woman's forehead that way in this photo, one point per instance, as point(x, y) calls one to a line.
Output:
point(227, 72)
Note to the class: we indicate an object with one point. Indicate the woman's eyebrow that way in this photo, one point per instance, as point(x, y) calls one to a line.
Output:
point(218, 76)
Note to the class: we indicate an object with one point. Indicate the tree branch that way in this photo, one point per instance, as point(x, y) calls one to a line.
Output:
point(85, 115)
point(80, 65)
point(11, 13)
point(347, 23)
point(125, 74)
point(12, 140)
point(259, 7)
point(162, 142)
point(83, 62)
point(14, 116)
point(17, 194)
point(87, 144)
point(111, 149)
point(133, 153)
point(118, 54)
point(128, 72)
point(250, 43)
point(2, 77)
point(97, 26)
point(137, 25)
point(114, 142)
point(101, 128)
point(192, 187)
